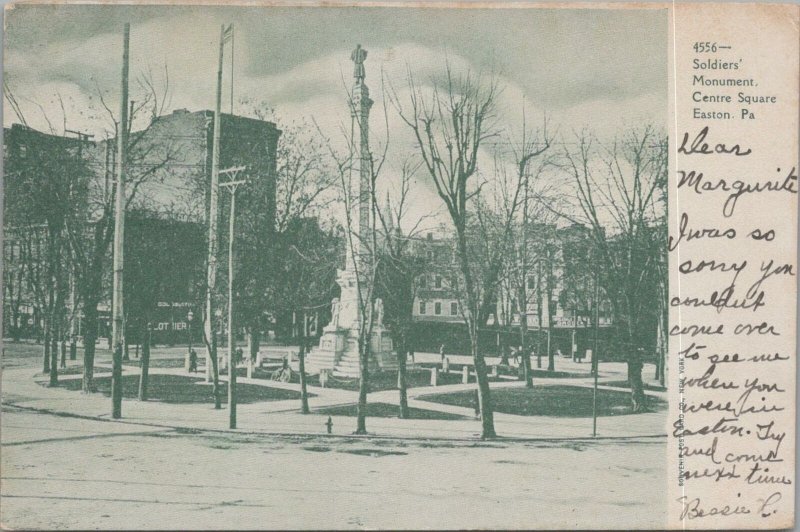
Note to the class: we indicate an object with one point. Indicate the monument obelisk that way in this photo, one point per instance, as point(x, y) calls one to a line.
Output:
point(338, 349)
point(356, 260)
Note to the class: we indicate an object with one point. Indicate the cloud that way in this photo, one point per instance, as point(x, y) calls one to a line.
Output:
point(584, 68)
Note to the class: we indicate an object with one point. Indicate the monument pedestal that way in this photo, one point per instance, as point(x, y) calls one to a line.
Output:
point(338, 351)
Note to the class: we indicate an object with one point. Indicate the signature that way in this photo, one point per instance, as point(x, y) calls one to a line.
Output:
point(694, 509)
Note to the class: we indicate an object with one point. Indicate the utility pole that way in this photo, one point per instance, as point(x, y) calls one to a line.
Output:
point(231, 187)
point(595, 361)
point(212, 369)
point(119, 235)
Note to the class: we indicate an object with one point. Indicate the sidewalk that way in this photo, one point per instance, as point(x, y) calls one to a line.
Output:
point(282, 417)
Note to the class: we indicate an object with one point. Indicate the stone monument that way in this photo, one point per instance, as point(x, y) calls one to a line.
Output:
point(338, 347)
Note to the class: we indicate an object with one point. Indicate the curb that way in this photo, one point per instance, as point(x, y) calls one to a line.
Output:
point(382, 437)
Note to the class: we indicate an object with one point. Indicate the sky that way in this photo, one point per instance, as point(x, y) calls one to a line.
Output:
point(601, 69)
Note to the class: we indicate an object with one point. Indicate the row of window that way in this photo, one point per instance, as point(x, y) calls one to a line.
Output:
point(437, 282)
point(437, 308)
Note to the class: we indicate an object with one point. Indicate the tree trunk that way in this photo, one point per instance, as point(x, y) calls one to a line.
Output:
point(526, 353)
point(539, 310)
point(402, 383)
point(144, 364)
point(215, 373)
point(116, 382)
point(54, 355)
point(63, 349)
point(73, 348)
point(484, 398)
point(89, 342)
point(46, 347)
point(303, 391)
point(551, 362)
point(637, 386)
point(363, 385)
point(255, 339)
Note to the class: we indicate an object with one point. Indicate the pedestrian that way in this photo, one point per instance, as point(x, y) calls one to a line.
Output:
point(193, 361)
point(504, 355)
point(441, 353)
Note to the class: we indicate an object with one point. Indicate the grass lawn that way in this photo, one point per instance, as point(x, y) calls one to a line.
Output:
point(178, 389)
point(624, 384)
point(541, 373)
point(514, 372)
point(560, 401)
point(387, 380)
point(160, 363)
point(77, 370)
point(378, 381)
point(387, 410)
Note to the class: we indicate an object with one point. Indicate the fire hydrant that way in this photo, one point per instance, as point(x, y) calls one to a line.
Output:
point(329, 424)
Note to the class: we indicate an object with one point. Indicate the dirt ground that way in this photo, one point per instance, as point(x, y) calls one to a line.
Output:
point(69, 473)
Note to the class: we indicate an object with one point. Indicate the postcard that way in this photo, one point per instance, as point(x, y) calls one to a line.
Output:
point(399, 265)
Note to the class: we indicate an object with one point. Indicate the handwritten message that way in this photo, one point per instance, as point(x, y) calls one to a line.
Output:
point(732, 247)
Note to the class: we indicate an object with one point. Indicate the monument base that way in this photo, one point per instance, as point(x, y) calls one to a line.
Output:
point(338, 351)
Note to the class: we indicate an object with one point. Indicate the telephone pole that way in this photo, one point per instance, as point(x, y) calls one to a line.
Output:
point(595, 360)
point(119, 235)
point(212, 369)
point(231, 187)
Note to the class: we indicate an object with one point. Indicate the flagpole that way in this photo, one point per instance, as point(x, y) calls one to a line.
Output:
point(210, 326)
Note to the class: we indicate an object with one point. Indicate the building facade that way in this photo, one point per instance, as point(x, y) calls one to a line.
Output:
point(169, 172)
point(559, 292)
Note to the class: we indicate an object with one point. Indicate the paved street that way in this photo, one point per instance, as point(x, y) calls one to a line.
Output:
point(175, 466)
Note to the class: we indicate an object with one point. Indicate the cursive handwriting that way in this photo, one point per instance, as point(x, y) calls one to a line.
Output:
point(701, 147)
point(735, 189)
point(693, 508)
point(687, 233)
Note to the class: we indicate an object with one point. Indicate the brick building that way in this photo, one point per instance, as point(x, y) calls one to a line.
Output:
point(170, 170)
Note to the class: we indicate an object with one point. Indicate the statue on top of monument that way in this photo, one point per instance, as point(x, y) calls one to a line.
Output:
point(358, 57)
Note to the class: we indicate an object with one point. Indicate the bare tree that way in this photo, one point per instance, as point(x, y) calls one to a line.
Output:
point(304, 187)
point(618, 196)
point(450, 124)
point(46, 177)
point(399, 269)
point(90, 239)
point(527, 152)
point(307, 273)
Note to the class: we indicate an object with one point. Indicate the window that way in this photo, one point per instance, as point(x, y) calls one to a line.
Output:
point(422, 307)
point(531, 282)
point(423, 281)
point(438, 281)
point(437, 308)
point(453, 308)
